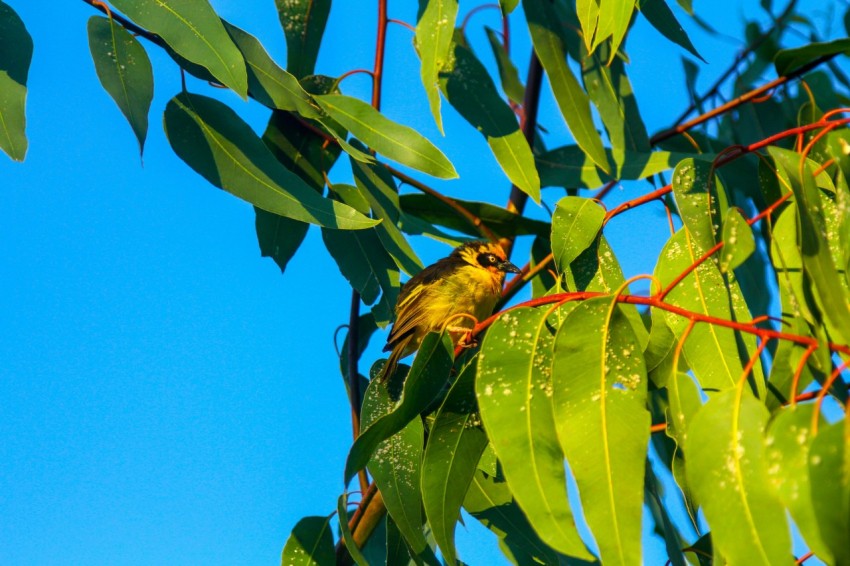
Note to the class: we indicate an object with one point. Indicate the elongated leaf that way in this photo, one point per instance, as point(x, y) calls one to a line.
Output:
point(15, 58)
point(347, 537)
point(216, 143)
point(194, 31)
point(267, 82)
point(738, 241)
point(514, 393)
point(789, 441)
point(424, 382)
point(303, 23)
point(817, 259)
point(575, 225)
point(395, 466)
point(124, 70)
point(455, 444)
point(599, 383)
point(569, 166)
point(572, 100)
point(498, 219)
point(433, 41)
point(727, 473)
point(710, 350)
point(789, 60)
point(829, 471)
point(661, 17)
point(470, 90)
point(509, 76)
point(588, 17)
point(311, 543)
point(388, 138)
point(614, 17)
point(379, 188)
point(700, 199)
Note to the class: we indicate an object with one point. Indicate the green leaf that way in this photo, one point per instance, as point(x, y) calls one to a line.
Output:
point(661, 17)
point(514, 393)
point(508, 74)
point(395, 466)
point(575, 225)
point(569, 166)
point(829, 470)
point(727, 473)
point(710, 350)
point(611, 92)
point(468, 87)
point(572, 100)
point(311, 543)
point(346, 536)
point(614, 18)
point(490, 501)
point(501, 221)
point(738, 241)
point(588, 17)
point(433, 41)
point(699, 198)
point(599, 383)
point(388, 138)
point(424, 383)
point(455, 444)
point(124, 70)
point(267, 82)
point(217, 144)
point(15, 57)
point(508, 6)
point(789, 60)
point(816, 255)
point(377, 185)
point(303, 23)
point(194, 31)
point(789, 441)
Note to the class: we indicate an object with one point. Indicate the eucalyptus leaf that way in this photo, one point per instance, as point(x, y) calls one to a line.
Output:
point(434, 32)
point(311, 543)
point(303, 23)
point(15, 57)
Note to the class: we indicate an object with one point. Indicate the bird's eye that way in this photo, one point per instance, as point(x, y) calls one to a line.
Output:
point(492, 259)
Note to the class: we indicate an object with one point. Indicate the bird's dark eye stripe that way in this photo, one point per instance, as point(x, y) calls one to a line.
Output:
point(487, 259)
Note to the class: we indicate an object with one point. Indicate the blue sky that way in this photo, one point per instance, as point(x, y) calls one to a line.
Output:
point(168, 397)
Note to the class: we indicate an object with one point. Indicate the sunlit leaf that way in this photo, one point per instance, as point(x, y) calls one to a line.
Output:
point(311, 543)
point(194, 31)
point(303, 23)
point(514, 392)
point(508, 74)
point(575, 225)
point(614, 17)
point(434, 32)
point(394, 141)
point(738, 241)
point(15, 57)
point(217, 144)
point(572, 100)
point(727, 471)
point(588, 17)
point(700, 200)
point(124, 70)
point(829, 472)
point(599, 397)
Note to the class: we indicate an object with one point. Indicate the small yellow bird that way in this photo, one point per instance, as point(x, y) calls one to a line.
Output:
point(453, 293)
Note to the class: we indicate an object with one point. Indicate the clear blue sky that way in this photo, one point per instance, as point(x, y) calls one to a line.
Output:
point(167, 396)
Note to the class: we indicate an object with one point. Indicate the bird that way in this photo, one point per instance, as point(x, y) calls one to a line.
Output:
point(455, 293)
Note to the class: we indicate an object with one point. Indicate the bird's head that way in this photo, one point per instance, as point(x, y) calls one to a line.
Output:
point(486, 255)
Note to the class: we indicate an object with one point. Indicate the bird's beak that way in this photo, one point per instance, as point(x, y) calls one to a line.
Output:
point(508, 267)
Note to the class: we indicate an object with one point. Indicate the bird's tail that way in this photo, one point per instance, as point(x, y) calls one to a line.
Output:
point(392, 364)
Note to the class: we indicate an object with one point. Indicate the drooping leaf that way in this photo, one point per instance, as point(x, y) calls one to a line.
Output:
point(311, 543)
point(434, 32)
point(424, 382)
point(455, 444)
point(216, 143)
point(468, 87)
point(728, 475)
point(829, 472)
point(599, 383)
point(395, 466)
point(700, 199)
point(661, 17)
point(738, 241)
point(15, 57)
point(514, 381)
point(499, 220)
point(588, 17)
point(194, 31)
point(394, 141)
point(303, 23)
point(614, 18)
point(124, 70)
point(789, 60)
point(575, 225)
point(508, 75)
point(572, 100)
point(346, 535)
